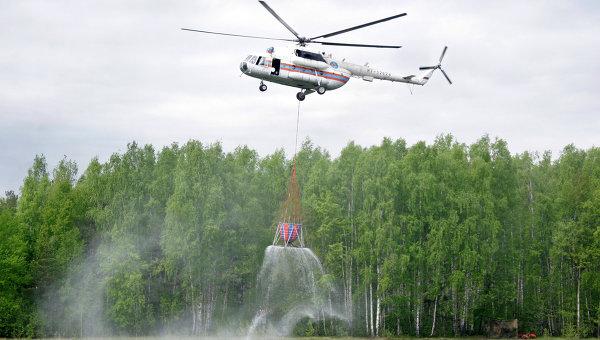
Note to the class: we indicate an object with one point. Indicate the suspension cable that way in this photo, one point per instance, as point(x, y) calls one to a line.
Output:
point(297, 125)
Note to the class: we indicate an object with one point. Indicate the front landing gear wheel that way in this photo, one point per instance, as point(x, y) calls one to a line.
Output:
point(321, 90)
point(262, 87)
point(300, 96)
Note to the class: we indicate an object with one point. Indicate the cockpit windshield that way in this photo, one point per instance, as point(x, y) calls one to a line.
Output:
point(310, 55)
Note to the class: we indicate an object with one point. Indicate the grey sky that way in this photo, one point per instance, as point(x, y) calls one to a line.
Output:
point(82, 78)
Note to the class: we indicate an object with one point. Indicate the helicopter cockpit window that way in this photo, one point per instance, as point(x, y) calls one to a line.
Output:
point(253, 59)
point(309, 55)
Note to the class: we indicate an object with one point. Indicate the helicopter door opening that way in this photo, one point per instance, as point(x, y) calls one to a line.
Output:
point(276, 64)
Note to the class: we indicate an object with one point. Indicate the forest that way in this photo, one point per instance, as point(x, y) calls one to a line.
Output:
point(423, 240)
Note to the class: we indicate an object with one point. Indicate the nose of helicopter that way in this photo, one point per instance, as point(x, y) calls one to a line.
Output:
point(244, 66)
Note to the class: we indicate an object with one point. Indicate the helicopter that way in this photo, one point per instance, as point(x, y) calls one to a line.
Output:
point(315, 71)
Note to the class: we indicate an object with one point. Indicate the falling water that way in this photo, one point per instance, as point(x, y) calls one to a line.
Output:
point(291, 289)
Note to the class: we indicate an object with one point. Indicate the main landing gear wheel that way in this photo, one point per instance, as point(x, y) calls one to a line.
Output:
point(300, 96)
point(321, 90)
point(262, 87)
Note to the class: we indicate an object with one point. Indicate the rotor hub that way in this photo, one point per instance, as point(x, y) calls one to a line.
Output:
point(302, 41)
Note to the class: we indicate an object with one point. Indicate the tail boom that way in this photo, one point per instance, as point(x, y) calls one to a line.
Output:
point(368, 74)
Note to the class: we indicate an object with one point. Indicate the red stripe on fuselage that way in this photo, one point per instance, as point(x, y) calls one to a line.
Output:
point(317, 74)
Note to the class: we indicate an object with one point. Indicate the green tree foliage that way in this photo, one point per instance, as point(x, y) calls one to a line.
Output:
point(421, 240)
point(15, 279)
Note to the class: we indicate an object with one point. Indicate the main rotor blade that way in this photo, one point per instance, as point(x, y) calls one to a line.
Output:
point(427, 67)
point(236, 35)
point(359, 26)
point(279, 18)
point(445, 75)
point(443, 53)
point(354, 45)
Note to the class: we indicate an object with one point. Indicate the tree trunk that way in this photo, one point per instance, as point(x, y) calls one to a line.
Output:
point(371, 309)
point(367, 311)
point(418, 320)
point(378, 316)
point(193, 305)
point(454, 311)
point(350, 309)
point(330, 310)
point(378, 306)
point(561, 300)
point(384, 313)
point(210, 309)
point(352, 237)
point(224, 307)
point(521, 287)
point(587, 309)
point(323, 321)
point(434, 316)
point(345, 282)
point(578, 299)
point(464, 317)
point(454, 298)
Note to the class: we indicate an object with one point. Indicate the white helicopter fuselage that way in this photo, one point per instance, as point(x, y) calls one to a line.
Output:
point(310, 70)
point(296, 71)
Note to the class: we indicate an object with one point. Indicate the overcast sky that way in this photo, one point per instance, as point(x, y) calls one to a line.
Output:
point(82, 78)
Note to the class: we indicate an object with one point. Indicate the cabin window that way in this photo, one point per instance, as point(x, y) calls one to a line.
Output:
point(309, 55)
point(259, 59)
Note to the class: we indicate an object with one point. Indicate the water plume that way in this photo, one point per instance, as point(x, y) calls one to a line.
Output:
point(292, 287)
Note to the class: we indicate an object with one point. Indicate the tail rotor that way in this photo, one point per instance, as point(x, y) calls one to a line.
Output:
point(438, 66)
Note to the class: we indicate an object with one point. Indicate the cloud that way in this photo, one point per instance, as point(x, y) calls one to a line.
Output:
point(82, 79)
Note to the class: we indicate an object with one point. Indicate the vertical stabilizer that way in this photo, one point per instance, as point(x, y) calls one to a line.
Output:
point(424, 78)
